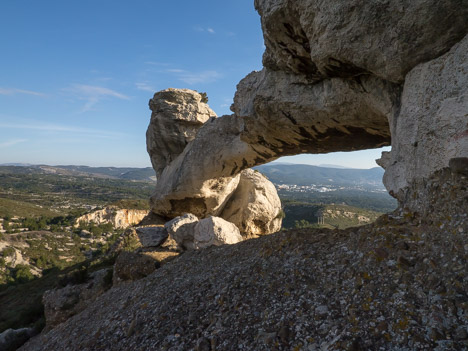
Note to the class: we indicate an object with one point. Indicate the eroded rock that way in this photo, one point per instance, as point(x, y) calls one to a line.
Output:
point(182, 229)
point(176, 116)
point(255, 207)
point(324, 39)
point(432, 127)
point(215, 231)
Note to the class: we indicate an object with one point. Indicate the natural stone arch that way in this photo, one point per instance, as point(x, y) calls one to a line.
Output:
point(331, 85)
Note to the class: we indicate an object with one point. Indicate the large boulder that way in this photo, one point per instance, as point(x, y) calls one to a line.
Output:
point(255, 207)
point(215, 231)
point(432, 127)
point(12, 339)
point(192, 234)
point(182, 229)
point(176, 116)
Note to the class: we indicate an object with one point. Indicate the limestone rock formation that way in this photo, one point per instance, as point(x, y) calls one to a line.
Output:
point(210, 194)
point(335, 79)
point(323, 39)
point(432, 127)
point(215, 231)
point(182, 229)
point(255, 207)
point(192, 234)
point(176, 116)
point(119, 218)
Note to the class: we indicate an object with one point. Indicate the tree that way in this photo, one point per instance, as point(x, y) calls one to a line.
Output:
point(204, 97)
point(23, 274)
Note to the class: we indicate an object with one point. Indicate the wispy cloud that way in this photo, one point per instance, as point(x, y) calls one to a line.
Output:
point(62, 129)
point(204, 29)
point(199, 77)
point(93, 94)
point(14, 91)
point(145, 87)
point(175, 70)
point(192, 78)
point(12, 142)
point(155, 63)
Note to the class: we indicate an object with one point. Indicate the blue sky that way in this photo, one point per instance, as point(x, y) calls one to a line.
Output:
point(76, 76)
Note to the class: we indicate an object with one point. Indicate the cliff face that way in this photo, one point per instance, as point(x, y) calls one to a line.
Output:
point(338, 76)
point(120, 218)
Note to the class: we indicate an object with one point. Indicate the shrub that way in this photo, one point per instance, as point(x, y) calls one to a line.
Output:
point(23, 274)
point(204, 97)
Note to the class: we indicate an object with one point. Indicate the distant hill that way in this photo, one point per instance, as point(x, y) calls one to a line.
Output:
point(308, 174)
point(127, 173)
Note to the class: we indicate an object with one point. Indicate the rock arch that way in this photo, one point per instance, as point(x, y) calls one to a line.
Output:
point(361, 79)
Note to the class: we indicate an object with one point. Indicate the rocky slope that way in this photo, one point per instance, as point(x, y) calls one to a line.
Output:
point(400, 284)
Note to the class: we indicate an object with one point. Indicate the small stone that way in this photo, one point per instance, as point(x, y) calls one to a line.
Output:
point(203, 344)
point(321, 310)
point(461, 334)
point(284, 334)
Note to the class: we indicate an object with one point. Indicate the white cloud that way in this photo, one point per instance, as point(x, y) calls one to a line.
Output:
point(155, 63)
point(57, 128)
point(13, 91)
point(203, 29)
point(93, 94)
point(192, 78)
point(12, 142)
point(145, 87)
point(175, 70)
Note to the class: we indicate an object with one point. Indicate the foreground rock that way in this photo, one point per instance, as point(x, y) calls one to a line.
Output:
point(432, 127)
point(11, 339)
point(215, 231)
point(193, 234)
point(399, 284)
point(182, 230)
point(255, 207)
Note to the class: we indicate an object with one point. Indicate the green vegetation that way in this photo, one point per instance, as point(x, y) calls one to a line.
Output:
point(30, 195)
point(132, 204)
point(372, 201)
point(305, 215)
point(10, 208)
point(204, 97)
